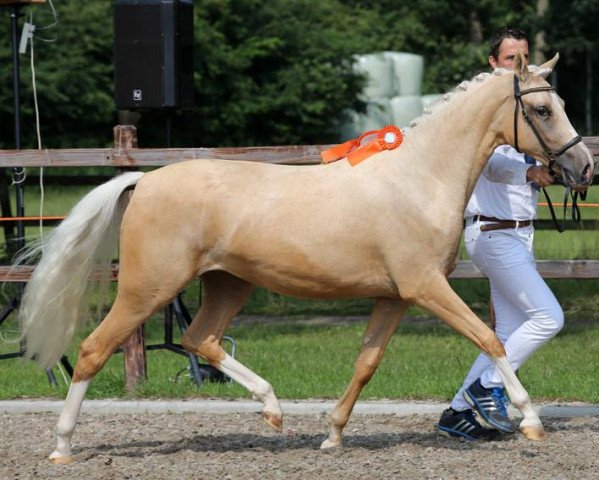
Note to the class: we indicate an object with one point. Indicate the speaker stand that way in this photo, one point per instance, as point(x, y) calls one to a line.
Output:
point(18, 174)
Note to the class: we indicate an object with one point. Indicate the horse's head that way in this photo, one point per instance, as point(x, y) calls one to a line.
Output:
point(542, 129)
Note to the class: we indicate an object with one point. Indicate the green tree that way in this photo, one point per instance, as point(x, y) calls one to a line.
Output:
point(451, 35)
point(74, 78)
point(276, 72)
point(279, 72)
point(571, 28)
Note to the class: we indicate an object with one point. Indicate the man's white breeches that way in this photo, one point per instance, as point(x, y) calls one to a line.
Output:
point(527, 313)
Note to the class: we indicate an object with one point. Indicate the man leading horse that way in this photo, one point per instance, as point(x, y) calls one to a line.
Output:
point(499, 240)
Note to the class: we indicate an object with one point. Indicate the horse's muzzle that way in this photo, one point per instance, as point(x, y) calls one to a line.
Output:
point(578, 181)
point(577, 167)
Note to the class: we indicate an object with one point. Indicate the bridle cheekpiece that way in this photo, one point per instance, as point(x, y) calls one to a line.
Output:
point(552, 155)
point(518, 94)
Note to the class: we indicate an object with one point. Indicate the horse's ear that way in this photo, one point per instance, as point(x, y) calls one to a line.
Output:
point(548, 66)
point(521, 67)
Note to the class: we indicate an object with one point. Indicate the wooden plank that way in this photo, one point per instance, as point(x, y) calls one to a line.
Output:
point(22, 273)
point(20, 2)
point(466, 269)
point(572, 269)
point(578, 269)
point(156, 157)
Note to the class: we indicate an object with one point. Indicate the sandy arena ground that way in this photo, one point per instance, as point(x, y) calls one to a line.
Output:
point(240, 446)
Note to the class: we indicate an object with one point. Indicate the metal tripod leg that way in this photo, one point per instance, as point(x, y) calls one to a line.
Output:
point(183, 320)
point(11, 307)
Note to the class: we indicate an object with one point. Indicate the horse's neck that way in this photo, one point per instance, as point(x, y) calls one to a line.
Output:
point(455, 142)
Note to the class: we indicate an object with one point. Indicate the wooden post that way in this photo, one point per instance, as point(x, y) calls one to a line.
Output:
point(134, 348)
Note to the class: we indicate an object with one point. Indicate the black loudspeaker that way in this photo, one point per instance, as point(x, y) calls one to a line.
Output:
point(153, 54)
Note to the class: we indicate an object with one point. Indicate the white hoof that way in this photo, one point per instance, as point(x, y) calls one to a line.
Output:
point(328, 443)
point(60, 459)
point(534, 432)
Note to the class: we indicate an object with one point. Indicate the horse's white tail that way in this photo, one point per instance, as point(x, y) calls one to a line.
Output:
point(53, 305)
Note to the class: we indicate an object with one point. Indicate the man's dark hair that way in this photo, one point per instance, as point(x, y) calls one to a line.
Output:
point(501, 35)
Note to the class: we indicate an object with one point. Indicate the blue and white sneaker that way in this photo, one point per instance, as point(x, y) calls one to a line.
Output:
point(489, 403)
point(464, 425)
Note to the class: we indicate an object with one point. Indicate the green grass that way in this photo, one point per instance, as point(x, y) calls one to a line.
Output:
point(424, 360)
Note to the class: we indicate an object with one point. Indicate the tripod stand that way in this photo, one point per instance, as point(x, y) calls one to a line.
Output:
point(18, 174)
point(199, 372)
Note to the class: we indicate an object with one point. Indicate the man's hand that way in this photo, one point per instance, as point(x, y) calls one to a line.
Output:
point(539, 175)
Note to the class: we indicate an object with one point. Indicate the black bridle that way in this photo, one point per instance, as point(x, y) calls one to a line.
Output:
point(518, 94)
point(551, 154)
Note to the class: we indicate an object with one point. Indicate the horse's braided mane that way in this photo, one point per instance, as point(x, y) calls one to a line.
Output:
point(462, 88)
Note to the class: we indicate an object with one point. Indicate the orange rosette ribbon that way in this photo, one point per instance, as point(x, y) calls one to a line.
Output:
point(387, 138)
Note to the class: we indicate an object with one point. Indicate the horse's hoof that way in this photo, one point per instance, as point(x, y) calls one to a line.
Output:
point(275, 420)
point(534, 432)
point(61, 460)
point(328, 444)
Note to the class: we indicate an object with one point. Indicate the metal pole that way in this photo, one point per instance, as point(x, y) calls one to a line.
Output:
point(18, 172)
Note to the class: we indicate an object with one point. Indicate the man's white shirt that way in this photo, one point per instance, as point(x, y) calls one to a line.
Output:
point(502, 190)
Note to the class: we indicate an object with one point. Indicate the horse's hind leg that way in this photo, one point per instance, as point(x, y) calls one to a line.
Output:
point(93, 353)
point(223, 296)
point(441, 300)
point(384, 319)
point(139, 296)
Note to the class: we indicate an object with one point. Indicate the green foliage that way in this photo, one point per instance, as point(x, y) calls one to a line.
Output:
point(74, 78)
point(276, 72)
point(451, 35)
point(571, 29)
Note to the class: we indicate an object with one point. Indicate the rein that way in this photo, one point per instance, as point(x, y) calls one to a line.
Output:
point(575, 209)
point(518, 94)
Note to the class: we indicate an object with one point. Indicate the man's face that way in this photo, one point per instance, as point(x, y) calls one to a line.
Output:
point(508, 50)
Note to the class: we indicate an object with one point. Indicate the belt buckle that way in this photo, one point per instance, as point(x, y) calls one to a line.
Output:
point(517, 224)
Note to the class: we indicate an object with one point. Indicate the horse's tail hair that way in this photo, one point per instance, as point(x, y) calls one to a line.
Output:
point(54, 302)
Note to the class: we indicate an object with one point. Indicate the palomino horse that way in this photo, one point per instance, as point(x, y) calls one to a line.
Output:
point(388, 228)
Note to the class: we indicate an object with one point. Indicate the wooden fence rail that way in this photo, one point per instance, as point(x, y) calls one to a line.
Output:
point(156, 157)
point(579, 269)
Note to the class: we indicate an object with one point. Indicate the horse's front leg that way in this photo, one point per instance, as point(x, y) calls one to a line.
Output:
point(440, 299)
point(383, 321)
point(222, 298)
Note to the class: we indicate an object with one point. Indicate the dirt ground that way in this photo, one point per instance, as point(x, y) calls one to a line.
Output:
point(240, 446)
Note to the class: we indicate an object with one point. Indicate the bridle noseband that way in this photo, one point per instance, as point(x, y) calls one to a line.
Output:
point(518, 94)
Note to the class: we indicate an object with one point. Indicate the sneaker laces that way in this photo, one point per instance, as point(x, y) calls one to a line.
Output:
point(498, 394)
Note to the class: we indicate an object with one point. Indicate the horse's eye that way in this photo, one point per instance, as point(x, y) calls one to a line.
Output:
point(542, 111)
